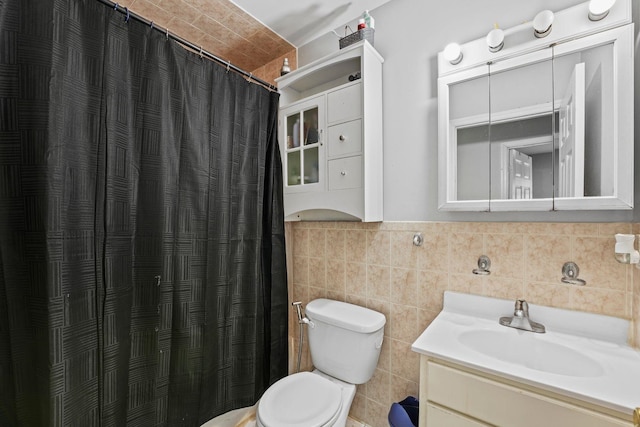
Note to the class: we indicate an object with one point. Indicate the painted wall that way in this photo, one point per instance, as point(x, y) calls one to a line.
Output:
point(409, 34)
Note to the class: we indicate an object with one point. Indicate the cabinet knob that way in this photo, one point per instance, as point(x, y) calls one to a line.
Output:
point(343, 173)
point(342, 138)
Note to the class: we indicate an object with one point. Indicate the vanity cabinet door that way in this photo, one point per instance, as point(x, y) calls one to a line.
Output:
point(501, 404)
point(303, 159)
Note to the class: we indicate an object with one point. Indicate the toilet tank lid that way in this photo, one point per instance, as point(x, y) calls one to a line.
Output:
point(345, 315)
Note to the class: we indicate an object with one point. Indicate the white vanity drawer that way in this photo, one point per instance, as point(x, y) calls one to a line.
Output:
point(344, 104)
point(437, 416)
point(504, 405)
point(345, 138)
point(345, 173)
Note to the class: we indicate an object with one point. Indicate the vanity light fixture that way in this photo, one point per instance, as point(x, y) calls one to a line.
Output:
point(542, 24)
point(453, 53)
point(625, 251)
point(598, 9)
point(495, 39)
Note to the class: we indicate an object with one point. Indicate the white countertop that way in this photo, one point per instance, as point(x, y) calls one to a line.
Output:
point(600, 340)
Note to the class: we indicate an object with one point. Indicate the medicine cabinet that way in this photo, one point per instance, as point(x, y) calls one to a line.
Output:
point(544, 124)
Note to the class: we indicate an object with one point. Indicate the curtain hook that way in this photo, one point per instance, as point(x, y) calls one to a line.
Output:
point(228, 65)
point(200, 52)
point(249, 79)
point(167, 33)
point(126, 19)
point(116, 7)
point(151, 25)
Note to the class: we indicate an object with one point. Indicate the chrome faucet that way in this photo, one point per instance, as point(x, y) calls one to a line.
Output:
point(520, 319)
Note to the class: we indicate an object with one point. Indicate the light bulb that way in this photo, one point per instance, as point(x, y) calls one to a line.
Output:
point(598, 9)
point(542, 23)
point(495, 39)
point(453, 53)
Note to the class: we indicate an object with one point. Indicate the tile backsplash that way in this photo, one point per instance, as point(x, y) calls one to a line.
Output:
point(377, 266)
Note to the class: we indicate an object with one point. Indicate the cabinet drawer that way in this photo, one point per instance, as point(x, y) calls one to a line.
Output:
point(344, 104)
point(345, 138)
point(504, 405)
point(437, 416)
point(345, 173)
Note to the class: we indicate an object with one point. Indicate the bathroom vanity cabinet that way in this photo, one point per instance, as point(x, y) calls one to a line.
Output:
point(455, 396)
point(474, 371)
point(330, 133)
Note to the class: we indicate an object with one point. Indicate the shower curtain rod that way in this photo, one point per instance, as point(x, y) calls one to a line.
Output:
point(198, 49)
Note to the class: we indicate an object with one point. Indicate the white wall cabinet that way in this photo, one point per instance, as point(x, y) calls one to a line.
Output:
point(330, 133)
point(459, 397)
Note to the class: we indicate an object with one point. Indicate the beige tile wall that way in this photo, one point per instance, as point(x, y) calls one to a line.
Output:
point(221, 28)
point(377, 266)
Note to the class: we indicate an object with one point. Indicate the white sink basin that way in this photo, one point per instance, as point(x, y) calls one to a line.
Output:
point(582, 355)
point(532, 351)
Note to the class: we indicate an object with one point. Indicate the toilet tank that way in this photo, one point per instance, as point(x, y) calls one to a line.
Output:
point(344, 339)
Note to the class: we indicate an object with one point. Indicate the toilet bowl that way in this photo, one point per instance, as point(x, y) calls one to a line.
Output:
point(344, 342)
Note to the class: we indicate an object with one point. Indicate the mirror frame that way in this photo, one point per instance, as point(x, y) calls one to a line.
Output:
point(621, 36)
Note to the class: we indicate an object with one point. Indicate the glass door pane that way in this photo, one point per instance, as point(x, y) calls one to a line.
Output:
point(293, 168)
point(522, 132)
point(311, 134)
point(311, 175)
point(293, 131)
point(584, 91)
point(469, 127)
point(302, 141)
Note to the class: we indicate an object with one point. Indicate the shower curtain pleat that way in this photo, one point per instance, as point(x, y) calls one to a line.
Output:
point(142, 258)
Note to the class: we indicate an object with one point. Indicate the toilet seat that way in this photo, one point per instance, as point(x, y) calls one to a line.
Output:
point(302, 399)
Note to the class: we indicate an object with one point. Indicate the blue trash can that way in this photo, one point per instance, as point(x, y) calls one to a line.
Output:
point(404, 413)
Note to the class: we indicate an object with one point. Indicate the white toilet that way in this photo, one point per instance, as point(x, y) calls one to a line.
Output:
point(345, 342)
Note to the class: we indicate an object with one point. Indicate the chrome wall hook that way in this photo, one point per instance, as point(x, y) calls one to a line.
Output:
point(570, 273)
point(484, 264)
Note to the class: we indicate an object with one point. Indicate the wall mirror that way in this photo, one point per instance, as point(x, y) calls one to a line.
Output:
point(549, 128)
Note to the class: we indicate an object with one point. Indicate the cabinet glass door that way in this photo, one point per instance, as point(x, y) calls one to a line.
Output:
point(303, 145)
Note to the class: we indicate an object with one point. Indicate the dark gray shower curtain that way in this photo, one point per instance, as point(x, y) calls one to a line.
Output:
point(142, 265)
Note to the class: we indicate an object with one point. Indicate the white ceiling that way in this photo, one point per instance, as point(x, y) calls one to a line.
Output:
point(300, 21)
